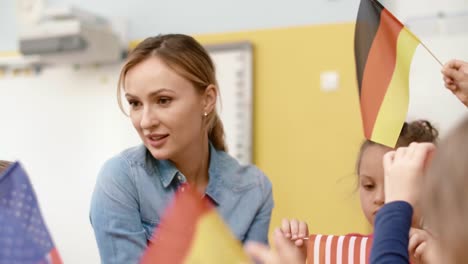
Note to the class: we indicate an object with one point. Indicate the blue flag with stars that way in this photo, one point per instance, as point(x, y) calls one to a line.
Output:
point(24, 238)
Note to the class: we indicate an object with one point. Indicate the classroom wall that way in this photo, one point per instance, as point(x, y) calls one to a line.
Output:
point(62, 125)
point(305, 139)
point(282, 113)
point(214, 16)
point(205, 16)
point(446, 38)
point(423, 8)
point(8, 30)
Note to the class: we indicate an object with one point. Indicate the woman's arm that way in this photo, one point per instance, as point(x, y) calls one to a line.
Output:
point(115, 214)
point(258, 230)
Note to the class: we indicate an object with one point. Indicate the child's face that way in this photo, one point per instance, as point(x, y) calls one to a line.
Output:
point(371, 180)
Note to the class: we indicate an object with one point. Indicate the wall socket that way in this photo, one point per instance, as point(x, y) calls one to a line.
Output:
point(329, 81)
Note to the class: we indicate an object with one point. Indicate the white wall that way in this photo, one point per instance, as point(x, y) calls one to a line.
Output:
point(146, 18)
point(405, 9)
point(207, 16)
point(7, 25)
point(62, 125)
point(428, 97)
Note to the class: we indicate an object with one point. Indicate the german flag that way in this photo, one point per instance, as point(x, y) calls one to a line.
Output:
point(191, 231)
point(384, 49)
point(328, 249)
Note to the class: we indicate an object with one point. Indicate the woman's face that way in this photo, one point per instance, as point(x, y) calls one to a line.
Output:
point(165, 108)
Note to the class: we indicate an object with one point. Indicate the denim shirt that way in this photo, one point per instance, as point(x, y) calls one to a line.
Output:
point(133, 189)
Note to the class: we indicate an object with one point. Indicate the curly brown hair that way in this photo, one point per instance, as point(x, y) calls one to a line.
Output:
point(416, 131)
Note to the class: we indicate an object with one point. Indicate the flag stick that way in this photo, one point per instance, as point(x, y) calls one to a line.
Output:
point(432, 54)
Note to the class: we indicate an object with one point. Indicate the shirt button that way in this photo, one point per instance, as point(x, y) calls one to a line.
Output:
point(179, 177)
point(182, 189)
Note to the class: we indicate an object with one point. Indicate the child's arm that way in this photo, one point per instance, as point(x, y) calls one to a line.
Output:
point(392, 225)
point(404, 170)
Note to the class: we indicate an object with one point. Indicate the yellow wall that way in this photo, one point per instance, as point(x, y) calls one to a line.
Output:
point(306, 140)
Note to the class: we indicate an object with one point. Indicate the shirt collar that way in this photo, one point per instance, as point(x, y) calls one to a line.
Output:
point(168, 171)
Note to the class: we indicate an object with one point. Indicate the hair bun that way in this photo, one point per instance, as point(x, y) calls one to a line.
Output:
point(418, 131)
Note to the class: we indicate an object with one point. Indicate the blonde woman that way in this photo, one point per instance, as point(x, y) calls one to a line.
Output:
point(169, 84)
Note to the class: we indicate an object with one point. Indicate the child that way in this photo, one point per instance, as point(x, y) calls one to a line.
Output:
point(440, 200)
point(370, 173)
point(441, 187)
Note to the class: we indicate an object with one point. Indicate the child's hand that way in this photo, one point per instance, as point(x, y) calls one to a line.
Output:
point(420, 242)
point(404, 169)
point(296, 231)
point(286, 251)
point(456, 79)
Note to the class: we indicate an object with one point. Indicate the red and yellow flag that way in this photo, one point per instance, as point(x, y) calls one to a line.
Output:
point(328, 249)
point(193, 232)
point(384, 49)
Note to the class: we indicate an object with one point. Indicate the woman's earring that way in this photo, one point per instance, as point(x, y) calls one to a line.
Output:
point(205, 114)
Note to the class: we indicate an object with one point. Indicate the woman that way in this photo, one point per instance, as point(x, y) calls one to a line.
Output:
point(169, 83)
